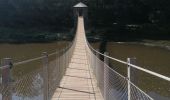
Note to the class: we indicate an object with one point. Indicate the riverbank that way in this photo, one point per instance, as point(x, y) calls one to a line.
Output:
point(153, 43)
point(147, 42)
point(158, 43)
point(33, 35)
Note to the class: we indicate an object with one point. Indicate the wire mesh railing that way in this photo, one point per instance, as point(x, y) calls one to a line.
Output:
point(34, 79)
point(112, 85)
point(116, 86)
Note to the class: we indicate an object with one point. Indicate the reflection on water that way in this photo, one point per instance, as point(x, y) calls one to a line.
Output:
point(152, 58)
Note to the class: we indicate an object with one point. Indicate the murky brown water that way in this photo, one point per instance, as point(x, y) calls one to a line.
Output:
point(152, 58)
point(20, 52)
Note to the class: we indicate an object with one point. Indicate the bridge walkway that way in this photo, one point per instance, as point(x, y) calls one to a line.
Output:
point(78, 82)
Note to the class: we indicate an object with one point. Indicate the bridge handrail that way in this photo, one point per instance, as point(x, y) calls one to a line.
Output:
point(129, 81)
point(132, 65)
point(35, 58)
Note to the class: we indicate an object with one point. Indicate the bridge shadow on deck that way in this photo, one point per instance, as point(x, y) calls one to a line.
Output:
point(78, 69)
point(78, 77)
point(77, 90)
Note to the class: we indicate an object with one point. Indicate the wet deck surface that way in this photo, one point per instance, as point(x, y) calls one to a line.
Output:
point(78, 82)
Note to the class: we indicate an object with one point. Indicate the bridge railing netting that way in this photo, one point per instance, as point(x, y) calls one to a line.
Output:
point(112, 85)
point(34, 79)
point(117, 79)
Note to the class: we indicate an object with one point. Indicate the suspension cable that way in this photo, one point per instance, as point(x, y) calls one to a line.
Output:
point(134, 66)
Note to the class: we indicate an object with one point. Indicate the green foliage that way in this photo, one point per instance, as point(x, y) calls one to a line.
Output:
point(33, 13)
point(14, 35)
point(40, 20)
point(110, 19)
point(34, 20)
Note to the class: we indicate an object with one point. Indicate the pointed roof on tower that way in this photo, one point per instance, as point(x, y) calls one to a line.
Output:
point(80, 5)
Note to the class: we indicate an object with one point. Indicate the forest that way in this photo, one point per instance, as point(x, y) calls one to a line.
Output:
point(116, 20)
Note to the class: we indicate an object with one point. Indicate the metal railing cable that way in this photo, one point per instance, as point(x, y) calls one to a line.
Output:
point(132, 65)
point(112, 85)
point(27, 61)
point(108, 88)
point(36, 78)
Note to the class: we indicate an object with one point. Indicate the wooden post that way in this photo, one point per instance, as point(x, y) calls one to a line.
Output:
point(6, 79)
point(45, 74)
point(129, 61)
point(106, 75)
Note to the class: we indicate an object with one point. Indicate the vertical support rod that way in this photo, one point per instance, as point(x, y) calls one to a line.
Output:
point(94, 65)
point(45, 74)
point(128, 80)
point(57, 65)
point(65, 58)
point(106, 75)
point(129, 61)
point(67, 64)
point(89, 54)
point(61, 62)
point(68, 54)
point(69, 51)
point(6, 78)
point(97, 67)
point(64, 64)
point(59, 54)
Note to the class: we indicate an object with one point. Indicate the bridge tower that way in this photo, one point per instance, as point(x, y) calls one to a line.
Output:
point(81, 9)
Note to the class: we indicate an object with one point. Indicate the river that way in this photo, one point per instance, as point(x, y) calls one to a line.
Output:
point(20, 52)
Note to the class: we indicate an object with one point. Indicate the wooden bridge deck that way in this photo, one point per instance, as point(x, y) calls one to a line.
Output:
point(78, 82)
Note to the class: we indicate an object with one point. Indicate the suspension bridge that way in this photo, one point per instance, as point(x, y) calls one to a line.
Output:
point(78, 82)
point(73, 73)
